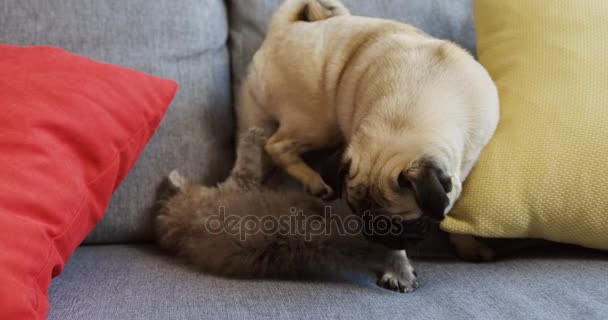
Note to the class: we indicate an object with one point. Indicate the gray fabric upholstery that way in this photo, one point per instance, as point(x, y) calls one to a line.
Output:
point(183, 40)
point(137, 282)
point(445, 19)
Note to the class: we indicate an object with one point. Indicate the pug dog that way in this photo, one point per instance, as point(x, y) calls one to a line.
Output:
point(413, 112)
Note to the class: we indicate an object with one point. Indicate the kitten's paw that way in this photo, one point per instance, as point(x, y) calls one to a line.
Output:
point(404, 281)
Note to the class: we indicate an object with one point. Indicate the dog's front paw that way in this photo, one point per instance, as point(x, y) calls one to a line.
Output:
point(404, 281)
point(321, 190)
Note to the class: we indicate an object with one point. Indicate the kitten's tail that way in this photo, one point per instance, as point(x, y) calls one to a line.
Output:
point(173, 184)
point(307, 10)
point(169, 187)
point(176, 181)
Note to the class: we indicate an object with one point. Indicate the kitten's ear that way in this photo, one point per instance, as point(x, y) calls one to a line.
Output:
point(431, 186)
point(334, 170)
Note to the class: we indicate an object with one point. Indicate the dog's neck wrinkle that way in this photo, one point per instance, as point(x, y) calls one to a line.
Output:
point(373, 140)
point(384, 129)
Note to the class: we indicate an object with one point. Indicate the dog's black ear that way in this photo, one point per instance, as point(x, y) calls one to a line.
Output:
point(431, 186)
point(334, 170)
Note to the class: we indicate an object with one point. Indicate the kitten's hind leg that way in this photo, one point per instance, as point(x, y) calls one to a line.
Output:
point(248, 170)
point(399, 275)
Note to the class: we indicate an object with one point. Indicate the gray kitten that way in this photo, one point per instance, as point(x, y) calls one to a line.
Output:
point(226, 230)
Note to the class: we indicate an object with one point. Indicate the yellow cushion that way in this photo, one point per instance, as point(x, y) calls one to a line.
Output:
point(545, 172)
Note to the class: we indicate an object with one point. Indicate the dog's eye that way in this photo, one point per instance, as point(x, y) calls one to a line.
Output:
point(403, 181)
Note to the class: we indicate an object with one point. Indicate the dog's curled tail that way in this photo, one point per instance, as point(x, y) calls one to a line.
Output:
point(307, 10)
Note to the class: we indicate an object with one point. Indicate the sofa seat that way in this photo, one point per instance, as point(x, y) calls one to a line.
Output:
point(140, 282)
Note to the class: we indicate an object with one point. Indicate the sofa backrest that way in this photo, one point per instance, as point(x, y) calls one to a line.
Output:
point(444, 19)
point(188, 41)
point(183, 40)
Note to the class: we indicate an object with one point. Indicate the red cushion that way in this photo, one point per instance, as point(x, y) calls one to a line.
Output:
point(70, 130)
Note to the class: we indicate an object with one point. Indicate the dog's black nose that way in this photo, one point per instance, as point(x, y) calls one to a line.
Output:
point(437, 218)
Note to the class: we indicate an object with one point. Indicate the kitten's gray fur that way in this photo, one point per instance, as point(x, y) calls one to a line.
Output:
point(184, 211)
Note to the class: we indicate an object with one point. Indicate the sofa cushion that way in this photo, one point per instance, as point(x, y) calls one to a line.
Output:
point(137, 282)
point(452, 20)
point(182, 40)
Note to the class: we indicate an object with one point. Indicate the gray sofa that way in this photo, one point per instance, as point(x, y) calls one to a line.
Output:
point(205, 45)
